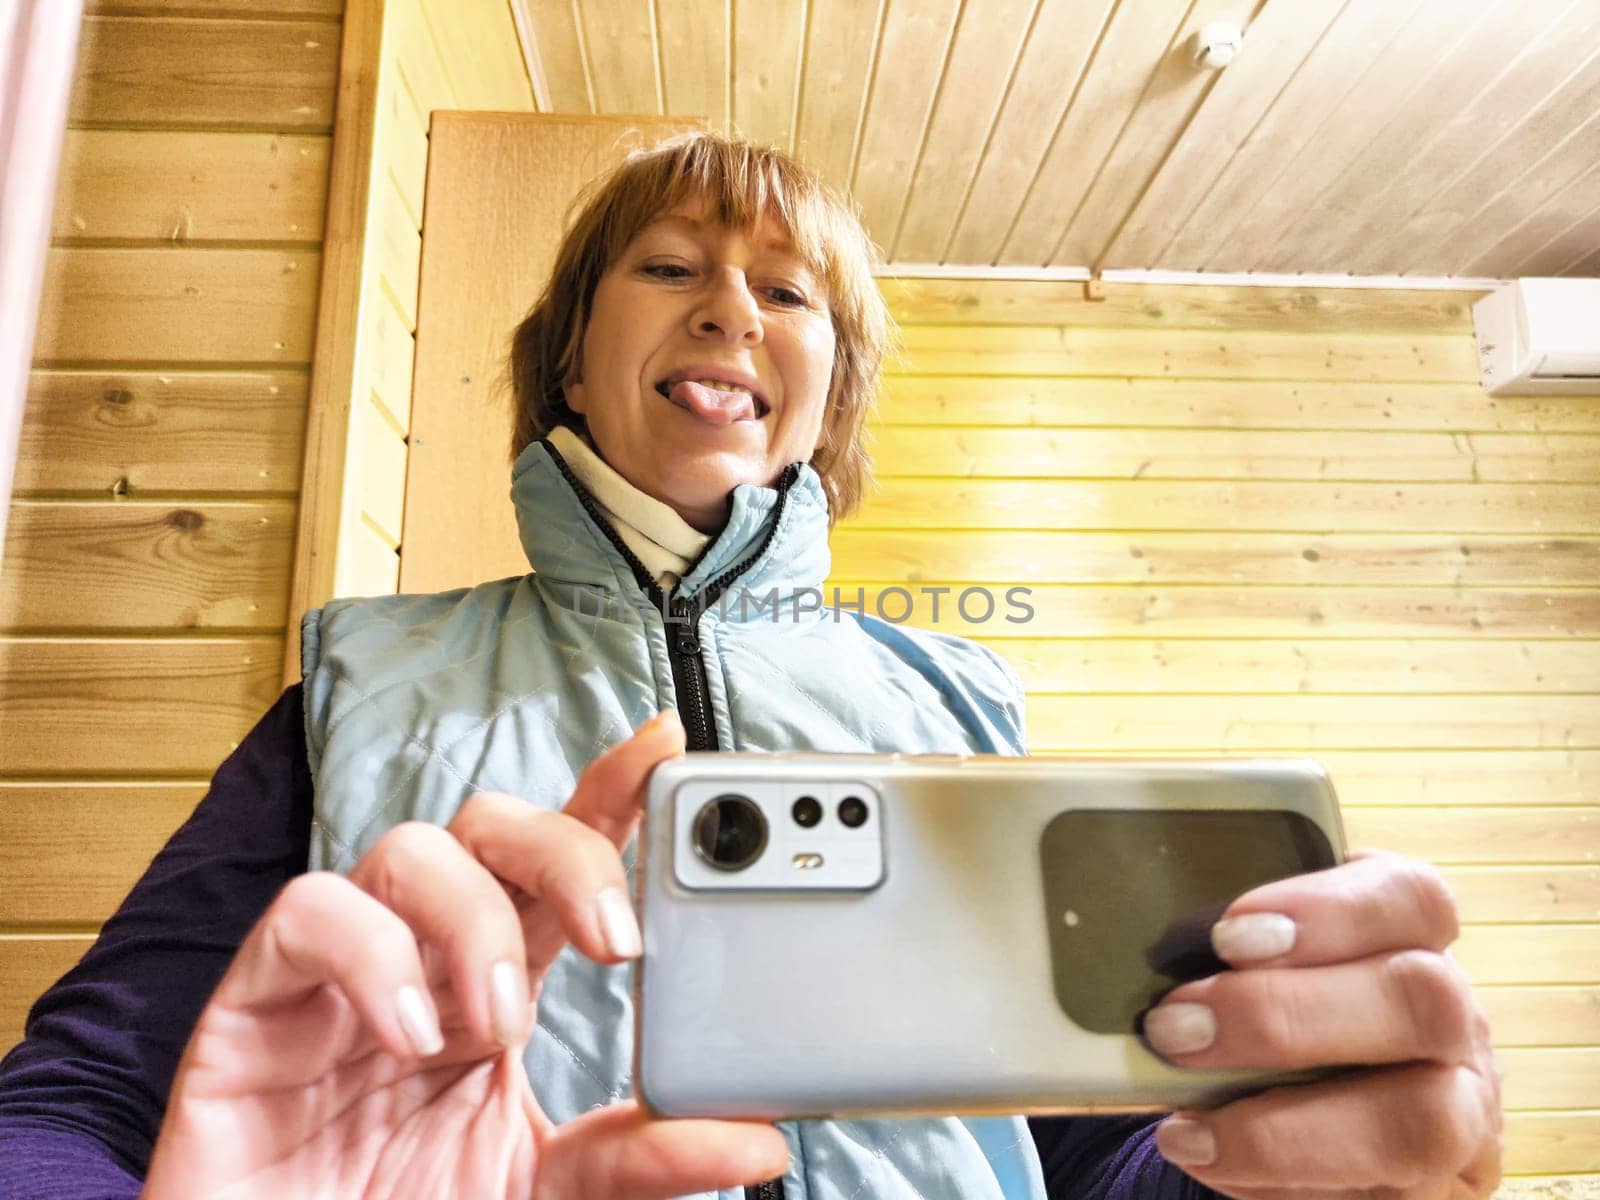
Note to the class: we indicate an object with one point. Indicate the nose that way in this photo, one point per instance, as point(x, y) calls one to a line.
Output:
point(727, 310)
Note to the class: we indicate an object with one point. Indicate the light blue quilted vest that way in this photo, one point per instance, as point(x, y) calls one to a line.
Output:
point(415, 702)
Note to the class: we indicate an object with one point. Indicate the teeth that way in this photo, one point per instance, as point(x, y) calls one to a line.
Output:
point(721, 385)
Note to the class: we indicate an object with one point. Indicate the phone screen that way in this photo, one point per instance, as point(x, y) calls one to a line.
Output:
point(1131, 895)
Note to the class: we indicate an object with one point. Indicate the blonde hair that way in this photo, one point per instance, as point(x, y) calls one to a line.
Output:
point(741, 183)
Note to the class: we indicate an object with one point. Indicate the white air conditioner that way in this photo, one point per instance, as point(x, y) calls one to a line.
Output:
point(1540, 336)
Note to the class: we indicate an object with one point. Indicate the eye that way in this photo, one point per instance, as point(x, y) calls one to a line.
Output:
point(665, 270)
point(788, 297)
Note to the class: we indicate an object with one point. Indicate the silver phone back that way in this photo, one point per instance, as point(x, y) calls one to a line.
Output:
point(932, 991)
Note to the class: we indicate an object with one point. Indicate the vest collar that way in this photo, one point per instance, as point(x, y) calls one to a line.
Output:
point(563, 542)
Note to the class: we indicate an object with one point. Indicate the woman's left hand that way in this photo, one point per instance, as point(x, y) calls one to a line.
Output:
point(1342, 966)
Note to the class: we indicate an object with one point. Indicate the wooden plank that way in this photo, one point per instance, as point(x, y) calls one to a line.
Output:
point(1055, 350)
point(692, 55)
point(982, 64)
point(177, 306)
point(622, 56)
point(565, 68)
point(1529, 954)
point(1305, 666)
point(1179, 306)
point(1548, 1187)
point(1552, 1141)
point(143, 564)
point(401, 140)
point(1160, 151)
point(1333, 69)
point(1514, 834)
point(1555, 508)
point(1549, 1077)
point(1534, 894)
point(1255, 612)
point(1452, 75)
point(1131, 48)
point(1309, 724)
point(399, 250)
point(382, 457)
point(482, 54)
point(768, 45)
point(385, 350)
point(843, 40)
point(134, 434)
point(1201, 403)
point(1443, 181)
point(1573, 246)
point(1551, 1015)
point(70, 851)
point(368, 562)
point(912, 53)
point(184, 188)
point(29, 965)
point(133, 706)
point(1064, 36)
point(904, 450)
point(1498, 777)
point(1100, 560)
point(219, 73)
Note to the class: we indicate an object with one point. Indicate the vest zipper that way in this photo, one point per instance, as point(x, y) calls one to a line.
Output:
point(682, 617)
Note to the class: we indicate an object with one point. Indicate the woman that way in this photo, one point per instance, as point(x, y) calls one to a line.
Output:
point(458, 773)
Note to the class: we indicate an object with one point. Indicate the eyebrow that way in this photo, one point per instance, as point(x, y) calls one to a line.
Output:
point(782, 245)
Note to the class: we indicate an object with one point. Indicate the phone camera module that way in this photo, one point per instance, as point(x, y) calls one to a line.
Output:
point(807, 811)
point(853, 812)
point(730, 832)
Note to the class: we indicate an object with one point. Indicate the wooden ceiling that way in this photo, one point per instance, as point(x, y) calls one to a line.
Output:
point(1376, 137)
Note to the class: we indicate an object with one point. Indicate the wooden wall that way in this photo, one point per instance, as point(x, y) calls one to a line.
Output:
point(146, 572)
point(1271, 521)
point(146, 585)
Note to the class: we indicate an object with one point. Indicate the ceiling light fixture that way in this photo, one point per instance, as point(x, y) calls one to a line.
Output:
point(1217, 44)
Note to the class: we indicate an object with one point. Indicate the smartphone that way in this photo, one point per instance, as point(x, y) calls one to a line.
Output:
point(832, 935)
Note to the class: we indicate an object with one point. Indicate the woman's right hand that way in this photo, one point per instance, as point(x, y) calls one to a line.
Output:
point(366, 1040)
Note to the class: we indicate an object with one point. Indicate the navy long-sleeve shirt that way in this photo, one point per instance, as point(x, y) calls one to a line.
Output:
point(82, 1096)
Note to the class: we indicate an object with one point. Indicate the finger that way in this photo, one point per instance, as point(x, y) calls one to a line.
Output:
point(1376, 902)
point(621, 1152)
point(1392, 1128)
point(1391, 1008)
point(431, 881)
point(610, 792)
point(321, 929)
point(572, 874)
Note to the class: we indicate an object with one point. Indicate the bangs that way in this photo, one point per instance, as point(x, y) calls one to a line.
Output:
point(739, 184)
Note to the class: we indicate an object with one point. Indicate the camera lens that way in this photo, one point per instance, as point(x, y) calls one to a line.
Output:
point(853, 811)
point(807, 811)
point(730, 832)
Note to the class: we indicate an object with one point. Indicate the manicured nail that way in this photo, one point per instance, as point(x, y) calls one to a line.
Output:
point(508, 1002)
point(418, 1021)
point(1185, 1142)
point(619, 924)
point(1253, 936)
point(1180, 1028)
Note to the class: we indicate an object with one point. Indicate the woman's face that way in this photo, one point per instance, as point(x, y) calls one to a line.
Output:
point(706, 361)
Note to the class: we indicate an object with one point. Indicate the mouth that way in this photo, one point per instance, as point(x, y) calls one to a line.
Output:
point(721, 397)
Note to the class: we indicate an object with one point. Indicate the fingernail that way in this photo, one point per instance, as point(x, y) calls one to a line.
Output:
point(1180, 1028)
point(619, 924)
point(418, 1021)
point(1185, 1142)
point(668, 717)
point(1253, 936)
point(508, 1001)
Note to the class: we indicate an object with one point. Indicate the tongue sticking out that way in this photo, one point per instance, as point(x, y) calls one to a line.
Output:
point(719, 408)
